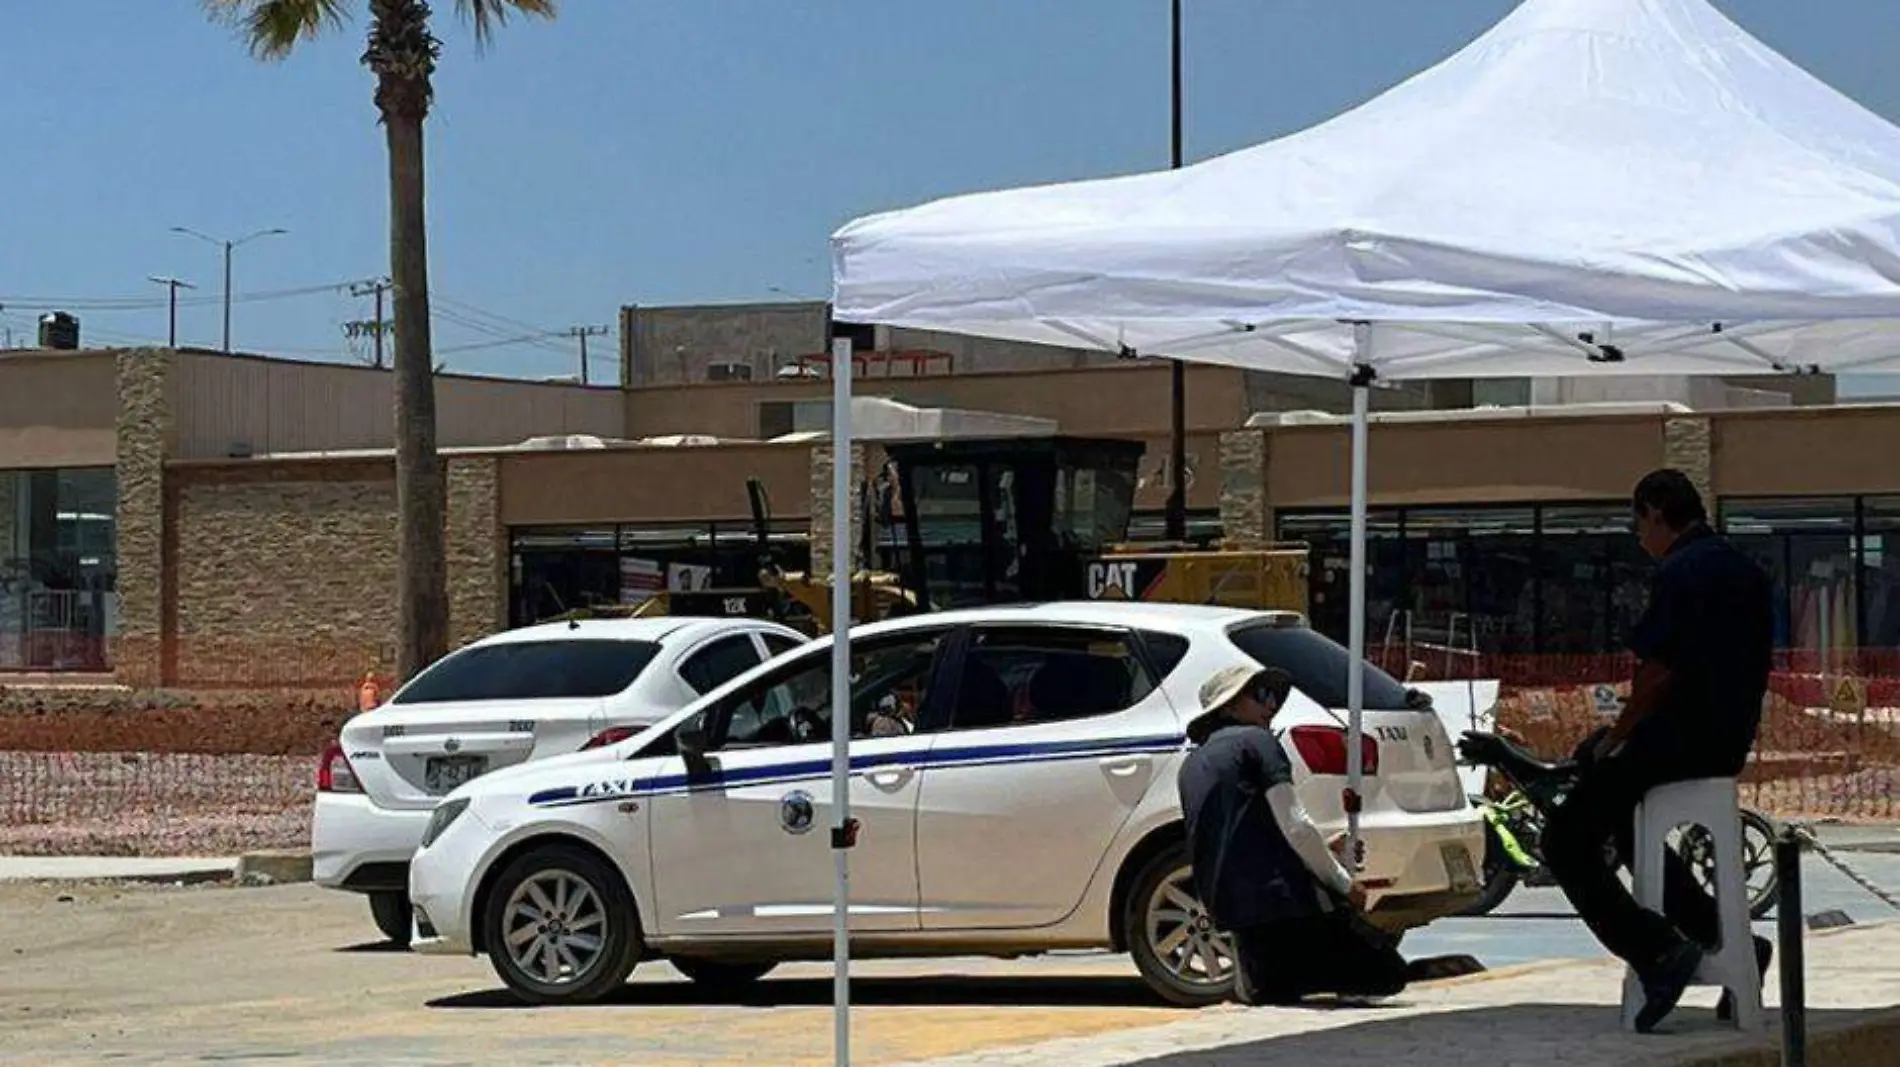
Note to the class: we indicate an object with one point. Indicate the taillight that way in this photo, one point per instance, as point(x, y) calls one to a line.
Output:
point(610, 736)
point(1324, 749)
point(334, 773)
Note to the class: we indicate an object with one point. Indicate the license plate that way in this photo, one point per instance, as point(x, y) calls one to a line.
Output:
point(1458, 867)
point(443, 773)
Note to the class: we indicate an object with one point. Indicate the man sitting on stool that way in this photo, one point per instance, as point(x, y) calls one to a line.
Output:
point(1703, 650)
point(1264, 871)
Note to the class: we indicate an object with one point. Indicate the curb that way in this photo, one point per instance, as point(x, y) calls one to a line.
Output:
point(280, 867)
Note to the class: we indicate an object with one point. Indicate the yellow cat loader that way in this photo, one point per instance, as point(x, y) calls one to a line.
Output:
point(1005, 520)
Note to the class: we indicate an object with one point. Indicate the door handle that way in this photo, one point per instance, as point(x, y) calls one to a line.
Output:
point(1125, 766)
point(890, 777)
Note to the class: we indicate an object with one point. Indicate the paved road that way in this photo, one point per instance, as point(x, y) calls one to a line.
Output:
point(1537, 924)
point(143, 975)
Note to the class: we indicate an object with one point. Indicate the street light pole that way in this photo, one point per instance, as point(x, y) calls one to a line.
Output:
point(1177, 420)
point(172, 285)
point(228, 246)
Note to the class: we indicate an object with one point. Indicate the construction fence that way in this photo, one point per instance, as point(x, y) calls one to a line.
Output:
point(98, 769)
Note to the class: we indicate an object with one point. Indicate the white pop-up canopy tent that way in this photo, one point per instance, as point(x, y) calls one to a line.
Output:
point(1592, 187)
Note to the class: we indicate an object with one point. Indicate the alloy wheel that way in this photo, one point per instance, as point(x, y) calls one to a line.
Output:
point(1183, 937)
point(554, 927)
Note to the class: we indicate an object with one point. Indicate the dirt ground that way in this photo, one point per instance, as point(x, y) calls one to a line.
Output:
point(144, 975)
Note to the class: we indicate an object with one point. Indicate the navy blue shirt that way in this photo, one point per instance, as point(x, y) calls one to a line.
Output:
point(1244, 869)
point(1711, 623)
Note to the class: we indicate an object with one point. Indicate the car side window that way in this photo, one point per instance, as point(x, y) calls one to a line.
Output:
point(1023, 676)
point(890, 680)
point(779, 644)
point(718, 662)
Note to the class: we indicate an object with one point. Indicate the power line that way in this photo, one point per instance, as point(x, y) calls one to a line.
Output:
point(108, 304)
point(583, 333)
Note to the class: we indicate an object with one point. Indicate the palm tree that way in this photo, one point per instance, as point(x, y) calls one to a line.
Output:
point(402, 54)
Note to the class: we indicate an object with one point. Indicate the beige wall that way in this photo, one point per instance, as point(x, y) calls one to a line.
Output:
point(1562, 458)
point(651, 484)
point(58, 410)
point(1117, 400)
point(1807, 452)
point(279, 406)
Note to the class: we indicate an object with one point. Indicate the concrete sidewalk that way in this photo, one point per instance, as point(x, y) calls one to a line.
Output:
point(1563, 1013)
point(117, 868)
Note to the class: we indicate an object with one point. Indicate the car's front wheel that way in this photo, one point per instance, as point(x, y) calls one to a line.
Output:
point(722, 977)
point(391, 912)
point(561, 927)
point(1171, 936)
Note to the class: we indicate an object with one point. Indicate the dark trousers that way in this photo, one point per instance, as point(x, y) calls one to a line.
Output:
point(1281, 962)
point(1600, 813)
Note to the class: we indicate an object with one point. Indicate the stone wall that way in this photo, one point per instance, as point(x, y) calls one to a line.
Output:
point(1246, 512)
point(286, 572)
point(477, 550)
point(144, 432)
point(295, 565)
point(1687, 448)
point(821, 468)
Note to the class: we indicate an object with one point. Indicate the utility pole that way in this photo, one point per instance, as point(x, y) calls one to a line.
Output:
point(228, 246)
point(172, 286)
point(584, 332)
point(1177, 436)
point(375, 327)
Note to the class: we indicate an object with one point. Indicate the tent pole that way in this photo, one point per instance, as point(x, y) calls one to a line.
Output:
point(1355, 678)
point(841, 836)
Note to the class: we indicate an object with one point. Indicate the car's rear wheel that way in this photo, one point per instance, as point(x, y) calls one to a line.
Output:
point(1171, 936)
point(561, 927)
point(391, 912)
point(720, 976)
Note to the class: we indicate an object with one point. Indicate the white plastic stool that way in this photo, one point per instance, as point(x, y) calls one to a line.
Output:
point(1711, 803)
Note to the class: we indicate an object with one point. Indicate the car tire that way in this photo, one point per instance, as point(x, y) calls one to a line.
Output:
point(392, 914)
point(561, 927)
point(1170, 936)
point(719, 976)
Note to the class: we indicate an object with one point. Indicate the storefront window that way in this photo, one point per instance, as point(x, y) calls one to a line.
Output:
point(58, 569)
point(1808, 546)
point(1595, 579)
point(559, 569)
point(1880, 572)
point(1472, 579)
point(1329, 536)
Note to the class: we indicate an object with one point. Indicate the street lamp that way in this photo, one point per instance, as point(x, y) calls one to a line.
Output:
point(227, 245)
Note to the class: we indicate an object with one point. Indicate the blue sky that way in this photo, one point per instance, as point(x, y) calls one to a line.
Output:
point(655, 151)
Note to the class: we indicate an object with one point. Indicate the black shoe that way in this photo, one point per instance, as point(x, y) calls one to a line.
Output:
point(1665, 983)
point(1764, 953)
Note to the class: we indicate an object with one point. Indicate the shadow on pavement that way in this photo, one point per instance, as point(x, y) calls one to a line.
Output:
point(373, 948)
point(1584, 1035)
point(1107, 991)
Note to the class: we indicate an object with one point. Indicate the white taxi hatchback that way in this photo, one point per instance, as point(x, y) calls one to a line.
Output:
point(1013, 778)
point(518, 695)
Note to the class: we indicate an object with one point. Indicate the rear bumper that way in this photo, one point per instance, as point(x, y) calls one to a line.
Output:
point(358, 846)
point(1408, 853)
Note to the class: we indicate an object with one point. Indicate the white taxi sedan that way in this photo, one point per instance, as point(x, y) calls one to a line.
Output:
point(1013, 775)
point(515, 696)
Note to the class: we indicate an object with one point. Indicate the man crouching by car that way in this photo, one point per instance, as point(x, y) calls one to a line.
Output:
point(1266, 874)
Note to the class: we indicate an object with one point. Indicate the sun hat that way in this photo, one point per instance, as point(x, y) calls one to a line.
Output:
point(1217, 692)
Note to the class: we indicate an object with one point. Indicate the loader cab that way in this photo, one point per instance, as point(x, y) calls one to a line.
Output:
point(1002, 520)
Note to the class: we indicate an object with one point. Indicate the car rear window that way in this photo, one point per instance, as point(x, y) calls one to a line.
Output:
point(1317, 664)
point(531, 670)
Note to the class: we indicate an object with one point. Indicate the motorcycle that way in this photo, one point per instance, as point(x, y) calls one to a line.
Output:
point(1514, 827)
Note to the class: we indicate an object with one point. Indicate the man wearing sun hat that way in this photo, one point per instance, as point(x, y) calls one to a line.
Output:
point(1267, 875)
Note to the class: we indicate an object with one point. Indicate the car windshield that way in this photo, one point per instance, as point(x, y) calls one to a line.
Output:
point(531, 670)
point(1317, 665)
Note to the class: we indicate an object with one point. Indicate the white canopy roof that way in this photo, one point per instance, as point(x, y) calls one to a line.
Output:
point(1591, 184)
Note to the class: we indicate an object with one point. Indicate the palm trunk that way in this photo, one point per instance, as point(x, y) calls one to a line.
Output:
point(421, 502)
